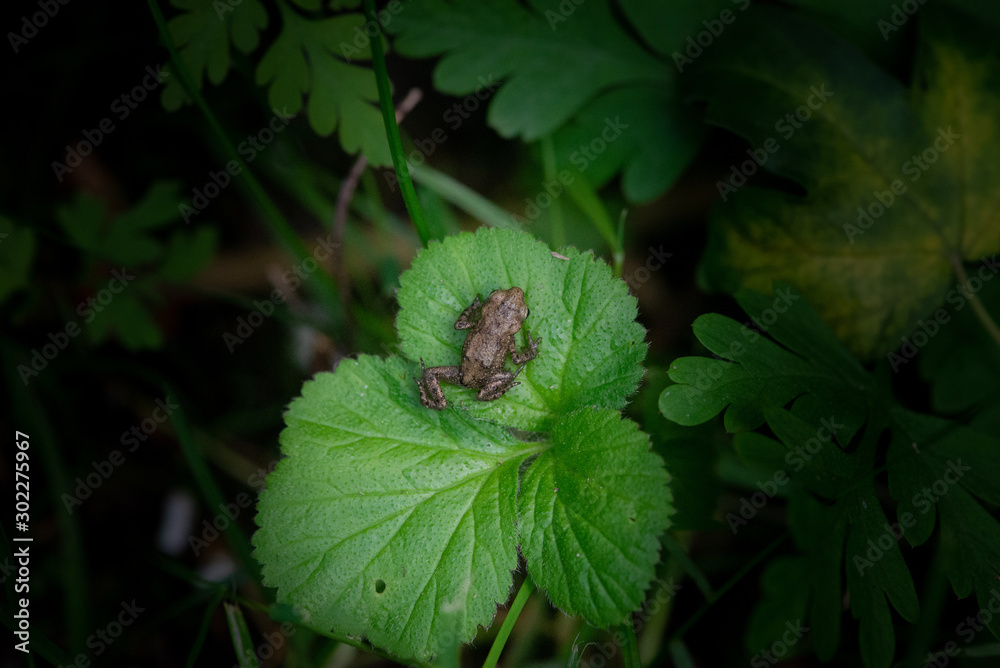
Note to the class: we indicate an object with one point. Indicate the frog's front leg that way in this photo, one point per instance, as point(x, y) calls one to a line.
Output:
point(497, 385)
point(526, 355)
point(473, 309)
point(429, 384)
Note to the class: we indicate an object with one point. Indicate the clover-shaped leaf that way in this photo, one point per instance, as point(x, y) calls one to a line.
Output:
point(398, 522)
point(899, 185)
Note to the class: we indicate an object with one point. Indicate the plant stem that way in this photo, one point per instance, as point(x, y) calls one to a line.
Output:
point(392, 130)
point(977, 305)
point(320, 281)
point(618, 250)
point(508, 622)
point(556, 225)
point(631, 648)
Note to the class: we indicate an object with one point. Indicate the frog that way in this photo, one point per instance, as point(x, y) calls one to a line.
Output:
point(492, 325)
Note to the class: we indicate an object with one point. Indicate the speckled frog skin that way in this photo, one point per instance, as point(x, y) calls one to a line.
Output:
point(492, 325)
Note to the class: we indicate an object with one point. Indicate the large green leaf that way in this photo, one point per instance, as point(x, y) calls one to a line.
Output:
point(592, 347)
point(394, 521)
point(572, 69)
point(386, 519)
point(899, 184)
point(384, 512)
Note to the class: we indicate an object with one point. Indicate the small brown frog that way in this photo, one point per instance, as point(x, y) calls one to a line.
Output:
point(484, 352)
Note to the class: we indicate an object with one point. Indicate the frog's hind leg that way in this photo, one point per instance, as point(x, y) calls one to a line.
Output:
point(498, 385)
point(429, 384)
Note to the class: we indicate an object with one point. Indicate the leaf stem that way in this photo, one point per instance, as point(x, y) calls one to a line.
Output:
point(508, 622)
point(391, 129)
point(977, 305)
point(321, 282)
point(618, 250)
point(631, 649)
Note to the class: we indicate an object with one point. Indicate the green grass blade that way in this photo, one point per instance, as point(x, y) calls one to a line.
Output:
point(464, 197)
point(240, 633)
point(210, 490)
point(391, 129)
point(206, 620)
point(508, 622)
